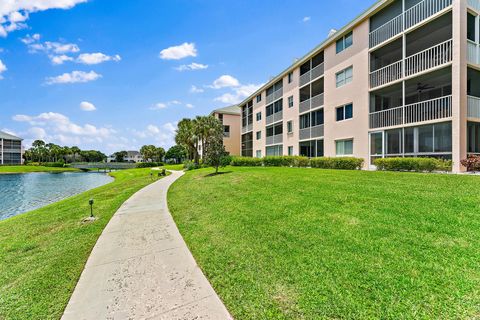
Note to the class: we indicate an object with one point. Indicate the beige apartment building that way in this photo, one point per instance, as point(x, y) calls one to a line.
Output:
point(402, 79)
point(11, 149)
point(230, 118)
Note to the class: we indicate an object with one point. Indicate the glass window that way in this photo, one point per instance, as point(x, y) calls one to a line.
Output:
point(259, 116)
point(348, 75)
point(269, 110)
point(290, 101)
point(348, 39)
point(290, 77)
point(269, 131)
point(344, 112)
point(259, 135)
point(344, 147)
point(290, 150)
point(409, 137)
point(473, 137)
point(340, 78)
point(305, 121)
point(258, 153)
point(274, 150)
point(290, 126)
point(471, 27)
point(317, 117)
point(278, 129)
point(349, 111)
point(443, 137)
point(226, 131)
point(345, 42)
point(278, 106)
point(340, 115)
point(425, 138)
point(345, 76)
point(259, 98)
point(376, 143)
point(340, 45)
point(393, 141)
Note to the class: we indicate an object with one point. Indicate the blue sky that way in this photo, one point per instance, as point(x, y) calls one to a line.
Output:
point(114, 75)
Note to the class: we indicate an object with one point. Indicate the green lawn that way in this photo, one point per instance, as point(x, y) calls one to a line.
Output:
point(283, 243)
point(26, 169)
point(43, 252)
point(178, 167)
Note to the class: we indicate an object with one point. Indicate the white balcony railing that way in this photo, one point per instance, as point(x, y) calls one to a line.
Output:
point(311, 132)
point(277, 116)
point(386, 74)
point(411, 17)
point(274, 139)
point(473, 110)
point(475, 4)
point(473, 52)
point(429, 58)
point(312, 74)
point(312, 103)
point(434, 109)
point(386, 31)
point(247, 128)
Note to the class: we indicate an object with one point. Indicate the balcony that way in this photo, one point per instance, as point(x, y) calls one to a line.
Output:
point(434, 109)
point(313, 74)
point(312, 132)
point(475, 4)
point(275, 95)
point(312, 103)
point(274, 117)
point(473, 110)
point(248, 128)
point(473, 52)
point(410, 18)
point(274, 139)
point(433, 57)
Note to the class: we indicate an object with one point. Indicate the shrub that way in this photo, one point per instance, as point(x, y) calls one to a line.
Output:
point(472, 163)
point(148, 164)
point(275, 161)
point(412, 164)
point(59, 164)
point(190, 165)
point(246, 162)
point(341, 163)
point(301, 162)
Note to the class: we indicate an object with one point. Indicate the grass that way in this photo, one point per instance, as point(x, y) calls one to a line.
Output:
point(43, 252)
point(286, 243)
point(27, 169)
point(178, 167)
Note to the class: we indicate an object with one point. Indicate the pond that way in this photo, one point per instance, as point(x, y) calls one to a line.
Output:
point(20, 193)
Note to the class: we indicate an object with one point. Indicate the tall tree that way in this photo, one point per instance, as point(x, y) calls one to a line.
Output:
point(215, 154)
point(75, 151)
point(178, 153)
point(186, 137)
point(148, 152)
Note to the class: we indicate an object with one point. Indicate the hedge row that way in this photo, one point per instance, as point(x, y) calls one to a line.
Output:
point(298, 161)
point(148, 164)
point(413, 164)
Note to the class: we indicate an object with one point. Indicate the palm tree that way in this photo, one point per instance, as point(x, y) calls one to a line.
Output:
point(186, 136)
point(75, 150)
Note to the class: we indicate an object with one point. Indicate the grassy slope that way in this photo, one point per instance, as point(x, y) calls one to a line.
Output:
point(309, 243)
point(43, 252)
point(26, 169)
point(178, 167)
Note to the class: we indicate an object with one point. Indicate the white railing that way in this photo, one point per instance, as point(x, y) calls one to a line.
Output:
point(311, 132)
point(277, 116)
point(473, 107)
point(278, 94)
point(386, 118)
point(438, 108)
point(408, 19)
point(473, 52)
point(304, 106)
point(429, 58)
point(317, 101)
point(248, 128)
point(305, 78)
point(317, 71)
point(424, 10)
point(434, 109)
point(386, 31)
point(475, 4)
point(386, 74)
point(274, 139)
point(270, 98)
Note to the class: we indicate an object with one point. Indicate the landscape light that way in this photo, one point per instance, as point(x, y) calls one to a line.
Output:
point(90, 202)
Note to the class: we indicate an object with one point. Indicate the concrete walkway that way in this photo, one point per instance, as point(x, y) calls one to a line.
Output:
point(140, 267)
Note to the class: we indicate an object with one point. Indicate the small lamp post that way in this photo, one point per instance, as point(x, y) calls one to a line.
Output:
point(90, 202)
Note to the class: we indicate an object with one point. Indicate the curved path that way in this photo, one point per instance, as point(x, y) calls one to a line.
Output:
point(140, 267)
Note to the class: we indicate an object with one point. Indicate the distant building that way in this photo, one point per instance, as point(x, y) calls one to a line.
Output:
point(10, 149)
point(132, 156)
point(230, 118)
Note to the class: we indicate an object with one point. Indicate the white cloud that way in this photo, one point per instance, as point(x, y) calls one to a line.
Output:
point(179, 52)
point(189, 106)
point(238, 94)
point(62, 127)
point(224, 82)
point(164, 105)
point(195, 89)
point(3, 68)
point(306, 19)
point(87, 106)
point(60, 59)
point(74, 77)
point(163, 135)
point(96, 58)
point(14, 13)
point(191, 66)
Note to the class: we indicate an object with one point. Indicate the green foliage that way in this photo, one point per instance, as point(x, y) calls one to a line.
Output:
point(412, 164)
point(339, 163)
point(246, 162)
point(149, 164)
point(177, 154)
point(190, 165)
point(472, 163)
